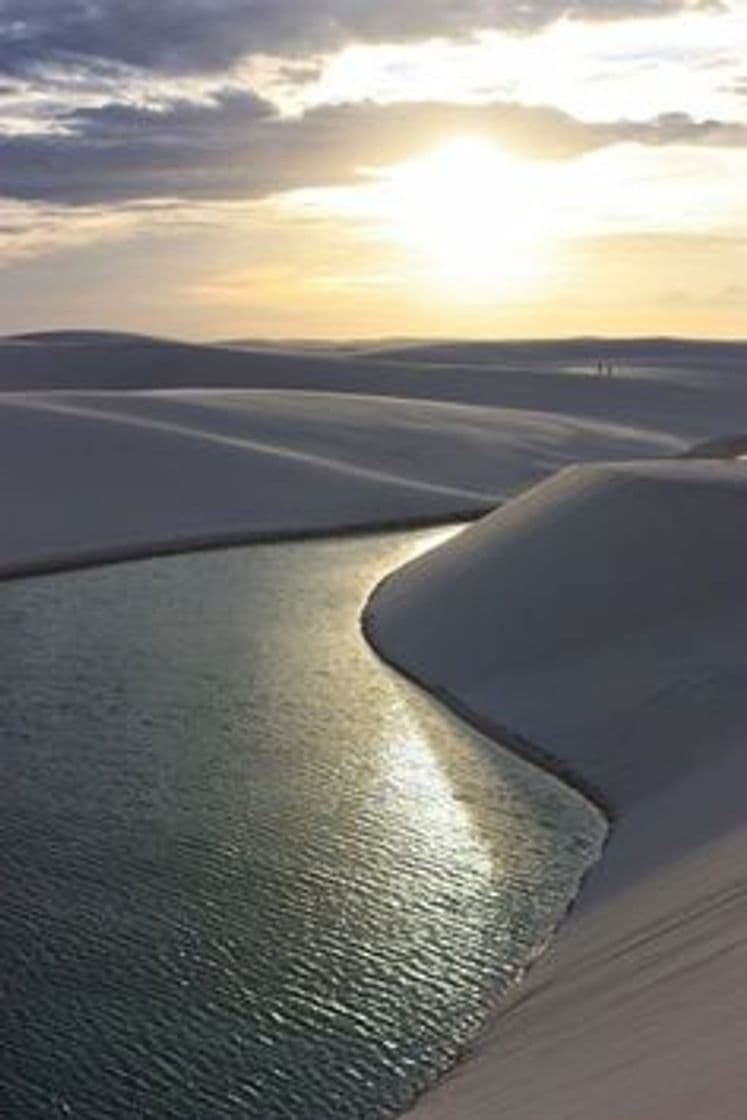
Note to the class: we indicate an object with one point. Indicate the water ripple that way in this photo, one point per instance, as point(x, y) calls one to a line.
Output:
point(247, 872)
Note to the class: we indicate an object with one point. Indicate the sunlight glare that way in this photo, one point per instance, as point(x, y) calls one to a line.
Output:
point(476, 217)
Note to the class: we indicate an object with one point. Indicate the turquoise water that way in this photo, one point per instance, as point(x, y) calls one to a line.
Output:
point(247, 870)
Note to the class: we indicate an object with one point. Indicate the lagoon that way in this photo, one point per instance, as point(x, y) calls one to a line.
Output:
point(248, 870)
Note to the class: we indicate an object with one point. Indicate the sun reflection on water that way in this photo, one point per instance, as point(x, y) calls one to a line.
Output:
point(309, 883)
point(417, 791)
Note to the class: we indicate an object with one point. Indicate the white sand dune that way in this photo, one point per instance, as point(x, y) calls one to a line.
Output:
point(660, 387)
point(92, 476)
point(599, 618)
point(82, 485)
point(602, 617)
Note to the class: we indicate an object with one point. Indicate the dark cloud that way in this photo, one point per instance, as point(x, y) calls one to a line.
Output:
point(676, 128)
point(120, 152)
point(203, 35)
point(238, 147)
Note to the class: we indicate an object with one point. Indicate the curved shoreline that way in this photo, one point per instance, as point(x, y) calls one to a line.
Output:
point(502, 737)
point(665, 889)
point(65, 562)
point(603, 613)
point(500, 733)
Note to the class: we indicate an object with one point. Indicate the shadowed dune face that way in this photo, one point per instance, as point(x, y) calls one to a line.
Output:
point(191, 468)
point(295, 443)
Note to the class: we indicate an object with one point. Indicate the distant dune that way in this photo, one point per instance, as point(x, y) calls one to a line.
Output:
point(100, 359)
point(629, 352)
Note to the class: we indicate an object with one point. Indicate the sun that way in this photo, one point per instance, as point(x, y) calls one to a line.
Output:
point(476, 218)
point(463, 222)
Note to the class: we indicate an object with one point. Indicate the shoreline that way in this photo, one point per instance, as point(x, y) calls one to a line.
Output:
point(499, 733)
point(644, 865)
point(495, 733)
point(492, 1006)
point(501, 737)
point(603, 613)
point(106, 556)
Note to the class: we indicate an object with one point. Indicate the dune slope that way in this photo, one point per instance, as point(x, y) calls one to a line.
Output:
point(96, 475)
point(601, 616)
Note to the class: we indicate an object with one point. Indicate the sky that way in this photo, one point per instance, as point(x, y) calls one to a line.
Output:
point(217, 169)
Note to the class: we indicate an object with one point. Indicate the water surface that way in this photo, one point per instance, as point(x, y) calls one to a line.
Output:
point(247, 870)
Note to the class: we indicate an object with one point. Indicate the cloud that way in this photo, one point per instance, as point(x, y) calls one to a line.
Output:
point(236, 146)
point(191, 36)
point(677, 128)
point(117, 152)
